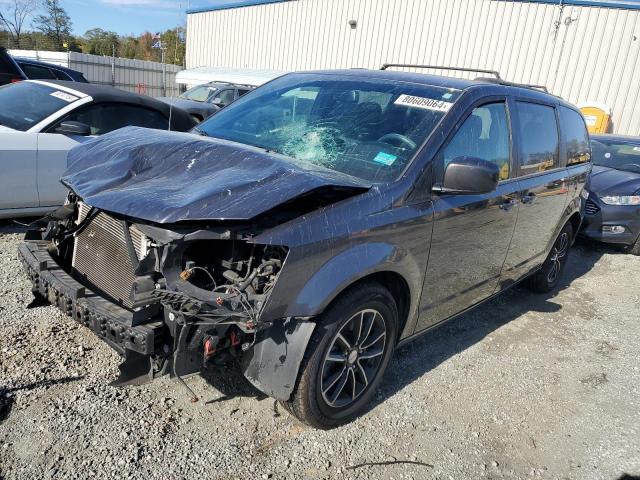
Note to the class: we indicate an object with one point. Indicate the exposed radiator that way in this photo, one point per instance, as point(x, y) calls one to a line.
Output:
point(101, 257)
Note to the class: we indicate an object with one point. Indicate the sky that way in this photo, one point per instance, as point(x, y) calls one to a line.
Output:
point(130, 16)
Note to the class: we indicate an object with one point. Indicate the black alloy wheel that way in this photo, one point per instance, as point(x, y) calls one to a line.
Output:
point(347, 356)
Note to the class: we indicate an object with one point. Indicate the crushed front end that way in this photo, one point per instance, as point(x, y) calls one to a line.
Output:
point(166, 299)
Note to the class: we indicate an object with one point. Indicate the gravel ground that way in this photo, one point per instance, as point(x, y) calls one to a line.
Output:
point(525, 386)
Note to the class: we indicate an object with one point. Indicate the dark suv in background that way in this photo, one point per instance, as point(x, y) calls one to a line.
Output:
point(14, 69)
point(37, 70)
point(9, 69)
point(204, 100)
point(312, 226)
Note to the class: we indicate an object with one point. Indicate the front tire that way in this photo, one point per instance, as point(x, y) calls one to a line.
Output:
point(547, 278)
point(346, 358)
point(635, 248)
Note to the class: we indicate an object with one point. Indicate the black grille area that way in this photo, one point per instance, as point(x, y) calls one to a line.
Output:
point(591, 208)
point(101, 257)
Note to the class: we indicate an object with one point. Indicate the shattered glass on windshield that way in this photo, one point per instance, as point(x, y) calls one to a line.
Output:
point(368, 130)
point(321, 145)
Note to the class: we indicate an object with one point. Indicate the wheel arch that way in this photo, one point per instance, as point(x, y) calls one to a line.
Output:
point(308, 284)
point(576, 220)
point(397, 286)
point(272, 365)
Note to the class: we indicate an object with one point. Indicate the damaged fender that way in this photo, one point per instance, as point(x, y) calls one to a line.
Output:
point(340, 272)
point(272, 364)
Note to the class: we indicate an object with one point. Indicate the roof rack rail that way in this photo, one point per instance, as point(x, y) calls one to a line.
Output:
point(513, 84)
point(441, 67)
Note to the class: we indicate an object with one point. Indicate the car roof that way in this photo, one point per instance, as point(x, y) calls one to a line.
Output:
point(47, 65)
point(444, 82)
point(393, 75)
point(610, 137)
point(108, 94)
point(219, 84)
point(105, 93)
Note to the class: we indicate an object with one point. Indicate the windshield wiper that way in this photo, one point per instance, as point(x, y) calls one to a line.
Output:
point(199, 132)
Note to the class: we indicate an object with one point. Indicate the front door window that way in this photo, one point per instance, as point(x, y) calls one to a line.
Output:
point(484, 134)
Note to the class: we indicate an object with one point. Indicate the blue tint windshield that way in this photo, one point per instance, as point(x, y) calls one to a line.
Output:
point(621, 155)
point(366, 128)
point(24, 104)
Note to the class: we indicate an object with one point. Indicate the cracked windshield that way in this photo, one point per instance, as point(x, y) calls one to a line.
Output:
point(369, 130)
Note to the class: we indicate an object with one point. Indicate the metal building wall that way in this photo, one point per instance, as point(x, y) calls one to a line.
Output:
point(581, 53)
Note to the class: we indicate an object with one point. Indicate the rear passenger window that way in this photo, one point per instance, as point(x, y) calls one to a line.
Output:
point(576, 136)
point(538, 130)
point(484, 134)
point(35, 72)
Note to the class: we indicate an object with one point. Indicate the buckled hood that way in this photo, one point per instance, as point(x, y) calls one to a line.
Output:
point(168, 177)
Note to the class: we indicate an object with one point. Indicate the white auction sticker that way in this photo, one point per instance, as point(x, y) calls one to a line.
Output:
point(64, 96)
point(422, 102)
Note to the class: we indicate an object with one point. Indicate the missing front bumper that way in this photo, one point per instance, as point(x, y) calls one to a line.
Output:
point(271, 363)
point(108, 321)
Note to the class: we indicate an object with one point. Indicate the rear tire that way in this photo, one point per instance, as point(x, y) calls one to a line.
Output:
point(546, 279)
point(346, 358)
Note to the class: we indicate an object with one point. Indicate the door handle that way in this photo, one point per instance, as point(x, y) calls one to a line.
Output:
point(529, 197)
point(509, 204)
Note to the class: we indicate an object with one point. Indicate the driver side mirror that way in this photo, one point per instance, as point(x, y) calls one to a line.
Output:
point(74, 128)
point(469, 176)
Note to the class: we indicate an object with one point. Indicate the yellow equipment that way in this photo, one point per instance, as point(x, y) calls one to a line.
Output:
point(596, 115)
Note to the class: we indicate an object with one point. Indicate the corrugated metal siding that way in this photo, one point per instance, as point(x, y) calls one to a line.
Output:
point(594, 54)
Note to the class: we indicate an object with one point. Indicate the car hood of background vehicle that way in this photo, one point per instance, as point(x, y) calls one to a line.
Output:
point(187, 105)
point(168, 177)
point(610, 181)
point(6, 129)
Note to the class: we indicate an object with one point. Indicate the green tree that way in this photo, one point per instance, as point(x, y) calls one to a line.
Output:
point(173, 41)
point(128, 47)
point(100, 42)
point(55, 23)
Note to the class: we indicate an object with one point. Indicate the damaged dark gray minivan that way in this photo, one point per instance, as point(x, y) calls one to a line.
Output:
point(312, 226)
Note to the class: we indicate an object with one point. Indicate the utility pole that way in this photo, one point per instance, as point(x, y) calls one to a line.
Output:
point(113, 65)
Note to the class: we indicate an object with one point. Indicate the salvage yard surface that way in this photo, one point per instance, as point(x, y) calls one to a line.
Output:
point(526, 386)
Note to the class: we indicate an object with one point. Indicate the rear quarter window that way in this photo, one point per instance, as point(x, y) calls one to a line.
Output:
point(576, 137)
point(60, 75)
